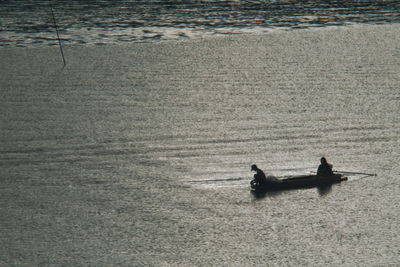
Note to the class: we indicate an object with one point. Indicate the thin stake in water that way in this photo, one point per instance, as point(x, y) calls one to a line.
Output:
point(58, 36)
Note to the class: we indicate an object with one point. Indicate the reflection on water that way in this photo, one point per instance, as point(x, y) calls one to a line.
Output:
point(266, 194)
point(99, 22)
point(324, 190)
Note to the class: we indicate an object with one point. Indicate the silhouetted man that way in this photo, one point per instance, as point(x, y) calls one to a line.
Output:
point(259, 177)
point(324, 169)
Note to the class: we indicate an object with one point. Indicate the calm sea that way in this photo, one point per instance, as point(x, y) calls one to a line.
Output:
point(139, 154)
point(27, 23)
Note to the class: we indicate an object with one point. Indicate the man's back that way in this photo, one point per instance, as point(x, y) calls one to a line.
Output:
point(325, 170)
point(260, 177)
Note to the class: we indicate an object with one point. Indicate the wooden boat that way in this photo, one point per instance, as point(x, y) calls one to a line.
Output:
point(296, 182)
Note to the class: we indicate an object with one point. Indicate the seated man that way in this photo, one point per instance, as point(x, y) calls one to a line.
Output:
point(325, 169)
point(259, 177)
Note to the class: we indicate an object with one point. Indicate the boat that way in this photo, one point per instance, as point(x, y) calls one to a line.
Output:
point(296, 182)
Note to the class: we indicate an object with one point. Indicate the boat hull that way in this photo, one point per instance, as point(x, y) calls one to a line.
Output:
point(296, 182)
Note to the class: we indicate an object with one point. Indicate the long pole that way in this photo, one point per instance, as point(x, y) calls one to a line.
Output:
point(355, 173)
point(58, 35)
point(361, 173)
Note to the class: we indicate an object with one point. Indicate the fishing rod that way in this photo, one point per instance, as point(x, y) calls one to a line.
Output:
point(361, 173)
point(58, 35)
point(355, 173)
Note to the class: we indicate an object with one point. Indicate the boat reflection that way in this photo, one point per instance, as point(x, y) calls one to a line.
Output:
point(323, 190)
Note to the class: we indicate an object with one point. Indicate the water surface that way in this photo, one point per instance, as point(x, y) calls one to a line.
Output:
point(140, 154)
point(30, 23)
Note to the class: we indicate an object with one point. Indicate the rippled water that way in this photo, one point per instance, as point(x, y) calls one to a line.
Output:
point(27, 23)
point(139, 155)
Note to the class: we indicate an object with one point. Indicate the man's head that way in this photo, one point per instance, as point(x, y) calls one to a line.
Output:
point(254, 167)
point(323, 160)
